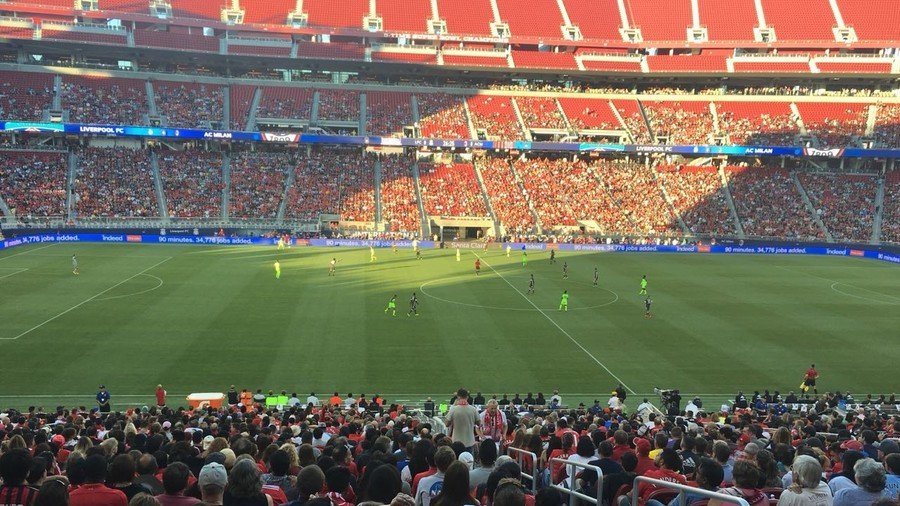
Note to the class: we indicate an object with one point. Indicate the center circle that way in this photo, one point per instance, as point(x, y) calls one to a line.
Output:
point(423, 286)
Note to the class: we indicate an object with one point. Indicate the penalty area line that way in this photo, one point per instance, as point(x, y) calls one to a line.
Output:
point(551, 320)
point(76, 306)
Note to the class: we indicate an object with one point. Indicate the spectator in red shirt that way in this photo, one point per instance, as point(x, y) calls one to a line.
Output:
point(160, 396)
point(621, 447)
point(669, 470)
point(14, 467)
point(94, 492)
point(645, 463)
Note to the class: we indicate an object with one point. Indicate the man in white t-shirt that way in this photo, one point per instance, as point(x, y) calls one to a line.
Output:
point(463, 421)
point(312, 399)
point(430, 486)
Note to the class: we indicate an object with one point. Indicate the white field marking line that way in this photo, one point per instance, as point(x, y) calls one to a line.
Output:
point(888, 302)
point(504, 308)
point(846, 284)
point(253, 257)
point(19, 271)
point(387, 395)
point(98, 256)
point(76, 306)
point(161, 283)
point(601, 364)
point(29, 251)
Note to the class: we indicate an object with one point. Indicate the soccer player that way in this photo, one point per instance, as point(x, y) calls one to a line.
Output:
point(413, 306)
point(394, 247)
point(372, 254)
point(647, 303)
point(74, 265)
point(565, 270)
point(392, 306)
point(457, 255)
point(596, 276)
point(643, 285)
point(809, 379)
point(564, 301)
point(524, 259)
point(277, 270)
point(418, 254)
point(280, 243)
point(508, 249)
point(331, 266)
point(553, 256)
point(531, 284)
point(477, 266)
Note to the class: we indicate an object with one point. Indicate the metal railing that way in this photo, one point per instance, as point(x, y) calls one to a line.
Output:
point(519, 456)
point(682, 499)
point(570, 481)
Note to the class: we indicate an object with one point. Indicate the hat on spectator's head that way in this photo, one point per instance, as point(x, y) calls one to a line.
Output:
point(213, 474)
point(207, 440)
point(467, 459)
point(58, 439)
point(889, 446)
point(167, 424)
point(852, 444)
point(751, 449)
point(641, 445)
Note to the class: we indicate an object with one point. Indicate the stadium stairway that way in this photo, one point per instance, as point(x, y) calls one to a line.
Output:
point(539, 227)
point(473, 134)
point(726, 190)
point(879, 212)
point(158, 187)
point(522, 127)
point(810, 207)
point(226, 184)
point(672, 209)
point(226, 107)
point(7, 213)
point(151, 99)
point(254, 105)
point(426, 224)
point(289, 181)
point(487, 200)
point(377, 189)
point(70, 184)
point(314, 110)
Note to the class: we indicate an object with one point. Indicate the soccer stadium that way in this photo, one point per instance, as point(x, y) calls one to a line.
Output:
point(449, 252)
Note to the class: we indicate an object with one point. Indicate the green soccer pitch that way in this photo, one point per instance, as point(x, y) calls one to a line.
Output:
point(199, 319)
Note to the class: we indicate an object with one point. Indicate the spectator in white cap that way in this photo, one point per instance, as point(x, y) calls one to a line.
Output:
point(212, 481)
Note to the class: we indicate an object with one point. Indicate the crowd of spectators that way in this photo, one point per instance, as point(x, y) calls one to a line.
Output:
point(257, 183)
point(887, 125)
point(189, 105)
point(681, 122)
point(508, 201)
point(347, 450)
point(399, 206)
point(834, 125)
point(115, 182)
point(890, 220)
point(338, 105)
point(285, 102)
point(697, 194)
point(442, 116)
point(631, 115)
point(387, 113)
point(769, 204)
point(757, 124)
point(24, 95)
point(333, 182)
point(845, 203)
point(193, 183)
point(33, 183)
point(110, 101)
point(451, 190)
point(633, 187)
point(541, 112)
point(496, 116)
